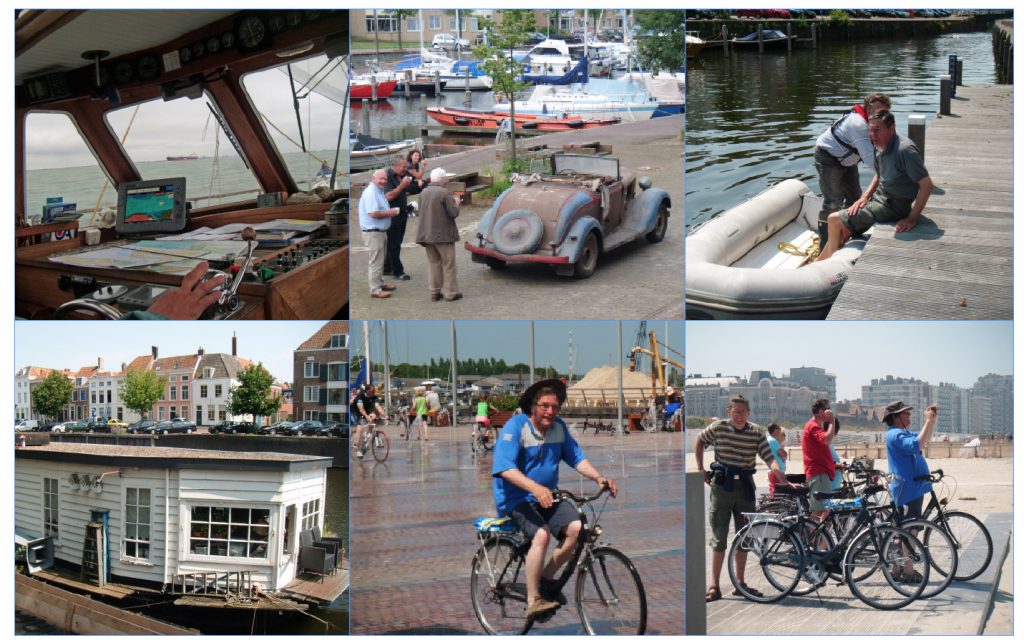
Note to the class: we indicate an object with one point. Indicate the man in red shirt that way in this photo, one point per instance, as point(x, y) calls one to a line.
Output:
point(818, 464)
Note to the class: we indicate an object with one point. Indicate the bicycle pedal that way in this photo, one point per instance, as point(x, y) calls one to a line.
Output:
point(544, 618)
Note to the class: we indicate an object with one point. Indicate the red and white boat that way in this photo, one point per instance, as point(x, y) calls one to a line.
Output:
point(360, 89)
point(492, 120)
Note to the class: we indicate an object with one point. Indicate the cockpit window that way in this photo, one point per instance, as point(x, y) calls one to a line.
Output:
point(320, 93)
point(60, 168)
point(182, 137)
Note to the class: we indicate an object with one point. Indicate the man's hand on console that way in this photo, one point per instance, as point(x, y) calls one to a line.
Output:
point(194, 296)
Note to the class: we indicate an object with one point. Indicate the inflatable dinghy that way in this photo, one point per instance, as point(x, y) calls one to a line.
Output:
point(751, 262)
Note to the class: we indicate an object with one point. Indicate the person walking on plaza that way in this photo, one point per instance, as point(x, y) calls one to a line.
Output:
point(776, 440)
point(527, 456)
point(819, 467)
point(737, 444)
point(399, 185)
point(437, 234)
point(904, 448)
point(433, 401)
point(837, 155)
point(897, 194)
point(375, 216)
point(419, 404)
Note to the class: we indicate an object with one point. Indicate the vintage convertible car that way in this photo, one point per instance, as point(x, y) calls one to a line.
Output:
point(585, 207)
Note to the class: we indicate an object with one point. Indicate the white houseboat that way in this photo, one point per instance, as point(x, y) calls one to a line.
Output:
point(161, 518)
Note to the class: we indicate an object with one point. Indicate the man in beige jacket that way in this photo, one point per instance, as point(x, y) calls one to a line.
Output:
point(437, 234)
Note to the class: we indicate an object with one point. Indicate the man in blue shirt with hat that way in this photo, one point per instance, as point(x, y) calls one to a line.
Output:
point(527, 455)
point(906, 459)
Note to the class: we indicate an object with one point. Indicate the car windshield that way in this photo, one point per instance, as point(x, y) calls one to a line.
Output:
point(582, 164)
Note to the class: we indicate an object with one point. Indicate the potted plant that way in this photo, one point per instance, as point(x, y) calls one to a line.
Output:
point(505, 405)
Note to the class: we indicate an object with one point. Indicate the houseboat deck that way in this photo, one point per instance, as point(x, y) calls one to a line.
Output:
point(313, 589)
point(69, 579)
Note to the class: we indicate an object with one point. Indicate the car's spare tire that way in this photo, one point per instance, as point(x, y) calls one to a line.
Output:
point(517, 232)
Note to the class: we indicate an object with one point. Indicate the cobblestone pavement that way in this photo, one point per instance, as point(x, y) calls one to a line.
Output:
point(413, 541)
point(643, 278)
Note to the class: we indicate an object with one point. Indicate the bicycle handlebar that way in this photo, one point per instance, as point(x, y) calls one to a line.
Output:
point(564, 494)
point(934, 476)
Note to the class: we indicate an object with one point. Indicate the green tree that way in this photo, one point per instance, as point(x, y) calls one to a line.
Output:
point(141, 389)
point(499, 63)
point(665, 46)
point(401, 15)
point(253, 395)
point(51, 395)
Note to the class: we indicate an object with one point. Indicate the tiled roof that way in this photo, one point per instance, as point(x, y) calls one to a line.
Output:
point(322, 338)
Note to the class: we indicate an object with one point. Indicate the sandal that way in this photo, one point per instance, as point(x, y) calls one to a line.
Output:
point(749, 590)
point(712, 595)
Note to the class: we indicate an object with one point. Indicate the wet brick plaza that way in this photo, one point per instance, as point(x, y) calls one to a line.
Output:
point(412, 539)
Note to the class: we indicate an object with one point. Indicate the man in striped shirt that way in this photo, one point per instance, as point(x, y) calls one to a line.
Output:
point(737, 443)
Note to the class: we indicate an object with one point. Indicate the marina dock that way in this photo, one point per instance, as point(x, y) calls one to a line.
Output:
point(957, 263)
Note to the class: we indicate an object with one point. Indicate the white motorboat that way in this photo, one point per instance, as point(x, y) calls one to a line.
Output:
point(452, 73)
point(630, 103)
point(752, 261)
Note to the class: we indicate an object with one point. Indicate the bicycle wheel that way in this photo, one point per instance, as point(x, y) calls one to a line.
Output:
point(942, 554)
point(778, 561)
point(486, 440)
point(498, 585)
point(972, 540)
point(814, 575)
point(886, 567)
point(610, 596)
point(380, 445)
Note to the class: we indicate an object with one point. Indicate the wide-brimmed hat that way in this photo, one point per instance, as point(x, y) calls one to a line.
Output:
point(526, 399)
point(894, 409)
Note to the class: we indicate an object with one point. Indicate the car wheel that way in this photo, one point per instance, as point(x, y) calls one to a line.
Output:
point(660, 226)
point(188, 431)
point(164, 432)
point(587, 263)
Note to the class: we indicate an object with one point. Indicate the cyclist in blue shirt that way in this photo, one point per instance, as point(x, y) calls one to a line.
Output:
point(527, 455)
point(906, 461)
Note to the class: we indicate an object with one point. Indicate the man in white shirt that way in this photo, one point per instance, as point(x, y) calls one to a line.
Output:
point(374, 220)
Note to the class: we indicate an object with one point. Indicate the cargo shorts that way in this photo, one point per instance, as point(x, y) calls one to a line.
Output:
point(881, 208)
point(726, 506)
point(820, 482)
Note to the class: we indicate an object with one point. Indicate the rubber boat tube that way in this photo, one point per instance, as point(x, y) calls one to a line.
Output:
point(735, 270)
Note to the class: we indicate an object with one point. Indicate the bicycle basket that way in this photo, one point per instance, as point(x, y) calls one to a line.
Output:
point(495, 525)
point(841, 505)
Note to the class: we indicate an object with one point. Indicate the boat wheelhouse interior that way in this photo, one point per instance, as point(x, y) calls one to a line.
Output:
point(147, 141)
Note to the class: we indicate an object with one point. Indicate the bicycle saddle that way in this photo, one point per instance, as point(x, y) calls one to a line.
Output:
point(792, 491)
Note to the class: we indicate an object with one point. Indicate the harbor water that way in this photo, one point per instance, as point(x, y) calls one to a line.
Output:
point(752, 120)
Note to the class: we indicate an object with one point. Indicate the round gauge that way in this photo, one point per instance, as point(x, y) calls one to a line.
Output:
point(312, 14)
point(198, 49)
point(124, 72)
point(185, 55)
point(276, 22)
point(227, 40)
point(212, 45)
point(251, 32)
point(293, 18)
point(148, 67)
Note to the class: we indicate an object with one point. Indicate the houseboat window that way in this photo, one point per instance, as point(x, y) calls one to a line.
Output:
point(235, 532)
point(136, 522)
point(319, 86)
point(182, 138)
point(310, 514)
point(51, 487)
point(59, 164)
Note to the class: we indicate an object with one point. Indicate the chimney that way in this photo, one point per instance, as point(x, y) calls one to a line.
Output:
point(123, 366)
point(201, 351)
point(234, 345)
point(155, 351)
point(99, 363)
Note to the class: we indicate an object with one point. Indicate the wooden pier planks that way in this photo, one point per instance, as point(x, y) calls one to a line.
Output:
point(957, 263)
point(78, 614)
point(314, 589)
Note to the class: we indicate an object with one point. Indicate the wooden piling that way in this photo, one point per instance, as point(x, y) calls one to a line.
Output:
point(760, 38)
point(373, 88)
point(916, 131)
point(945, 93)
point(365, 114)
point(789, 37)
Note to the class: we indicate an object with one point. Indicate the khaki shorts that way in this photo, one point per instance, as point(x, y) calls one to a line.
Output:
point(882, 208)
point(819, 482)
point(726, 506)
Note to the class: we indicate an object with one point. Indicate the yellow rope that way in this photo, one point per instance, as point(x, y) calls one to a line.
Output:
point(811, 253)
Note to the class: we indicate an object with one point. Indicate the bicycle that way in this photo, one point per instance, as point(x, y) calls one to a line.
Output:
point(482, 438)
point(872, 558)
point(374, 440)
point(609, 594)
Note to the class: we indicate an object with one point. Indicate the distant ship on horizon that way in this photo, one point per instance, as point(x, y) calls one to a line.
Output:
point(187, 157)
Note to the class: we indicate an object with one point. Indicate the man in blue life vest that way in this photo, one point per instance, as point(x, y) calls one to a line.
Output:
point(527, 455)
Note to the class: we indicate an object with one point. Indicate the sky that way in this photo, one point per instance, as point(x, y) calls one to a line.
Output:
point(74, 344)
point(856, 352)
point(180, 126)
point(594, 341)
